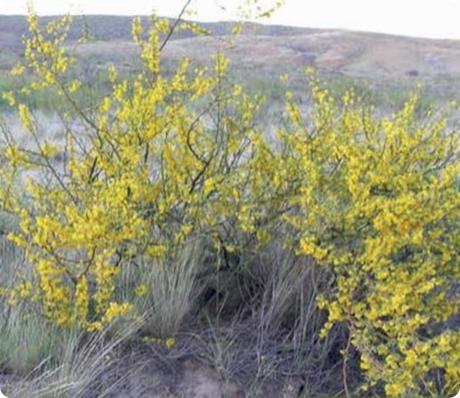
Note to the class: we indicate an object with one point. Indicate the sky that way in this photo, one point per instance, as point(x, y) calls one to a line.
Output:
point(423, 18)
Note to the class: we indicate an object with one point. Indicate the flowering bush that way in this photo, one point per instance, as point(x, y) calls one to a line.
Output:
point(379, 204)
point(161, 161)
point(165, 160)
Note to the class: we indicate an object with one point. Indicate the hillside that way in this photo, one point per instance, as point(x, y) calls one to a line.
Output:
point(354, 53)
point(385, 65)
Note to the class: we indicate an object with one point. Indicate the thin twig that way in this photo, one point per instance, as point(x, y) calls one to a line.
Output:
point(344, 367)
point(174, 26)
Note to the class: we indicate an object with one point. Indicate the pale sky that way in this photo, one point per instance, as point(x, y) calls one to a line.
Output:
point(424, 18)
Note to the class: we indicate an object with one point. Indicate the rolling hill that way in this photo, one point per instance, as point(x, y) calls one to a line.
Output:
point(263, 52)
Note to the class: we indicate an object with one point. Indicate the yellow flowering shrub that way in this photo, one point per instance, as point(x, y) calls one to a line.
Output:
point(378, 202)
point(160, 161)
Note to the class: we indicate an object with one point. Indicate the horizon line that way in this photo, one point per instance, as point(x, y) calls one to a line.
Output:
point(254, 22)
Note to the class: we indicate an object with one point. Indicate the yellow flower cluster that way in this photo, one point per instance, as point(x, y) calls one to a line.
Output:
point(155, 171)
point(378, 203)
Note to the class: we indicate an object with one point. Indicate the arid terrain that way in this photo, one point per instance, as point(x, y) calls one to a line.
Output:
point(383, 64)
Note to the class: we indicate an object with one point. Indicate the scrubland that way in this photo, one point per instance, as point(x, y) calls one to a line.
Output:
point(174, 223)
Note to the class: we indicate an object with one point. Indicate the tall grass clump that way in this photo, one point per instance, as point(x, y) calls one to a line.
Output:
point(165, 292)
point(86, 366)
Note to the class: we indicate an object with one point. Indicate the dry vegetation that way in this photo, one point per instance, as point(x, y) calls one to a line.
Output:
point(246, 246)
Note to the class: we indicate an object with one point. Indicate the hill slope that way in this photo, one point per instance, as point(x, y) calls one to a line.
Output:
point(264, 52)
